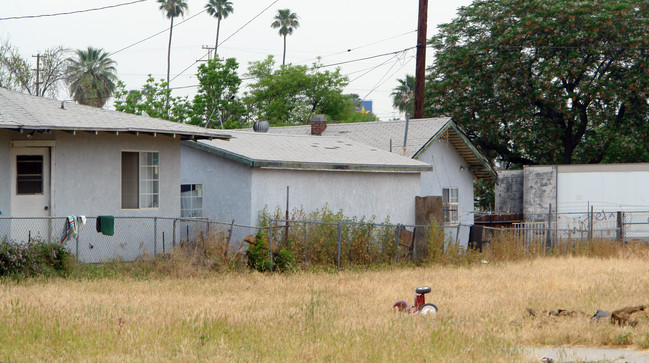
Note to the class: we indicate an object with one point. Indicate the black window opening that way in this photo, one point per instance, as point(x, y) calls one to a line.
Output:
point(29, 174)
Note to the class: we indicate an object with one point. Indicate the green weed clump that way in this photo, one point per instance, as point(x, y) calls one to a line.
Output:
point(33, 258)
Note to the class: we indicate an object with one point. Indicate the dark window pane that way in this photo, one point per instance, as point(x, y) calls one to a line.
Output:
point(130, 187)
point(29, 174)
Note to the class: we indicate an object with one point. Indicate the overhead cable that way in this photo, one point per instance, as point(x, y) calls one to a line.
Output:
point(70, 12)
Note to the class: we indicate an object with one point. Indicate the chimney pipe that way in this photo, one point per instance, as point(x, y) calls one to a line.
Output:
point(318, 124)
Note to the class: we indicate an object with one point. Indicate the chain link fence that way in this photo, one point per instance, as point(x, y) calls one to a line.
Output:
point(556, 227)
point(336, 244)
point(340, 244)
point(348, 243)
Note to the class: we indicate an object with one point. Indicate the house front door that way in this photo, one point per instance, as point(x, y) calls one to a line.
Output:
point(30, 193)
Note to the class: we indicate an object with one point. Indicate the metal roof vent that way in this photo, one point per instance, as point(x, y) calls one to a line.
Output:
point(260, 126)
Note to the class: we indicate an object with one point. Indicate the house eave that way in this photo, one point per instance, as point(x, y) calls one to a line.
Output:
point(314, 166)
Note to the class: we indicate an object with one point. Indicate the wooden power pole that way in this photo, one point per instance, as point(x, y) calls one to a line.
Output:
point(38, 72)
point(420, 72)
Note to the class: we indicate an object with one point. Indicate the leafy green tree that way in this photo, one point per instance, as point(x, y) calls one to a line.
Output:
point(91, 76)
point(292, 94)
point(220, 9)
point(546, 81)
point(154, 100)
point(286, 22)
point(172, 9)
point(216, 101)
point(403, 96)
point(18, 74)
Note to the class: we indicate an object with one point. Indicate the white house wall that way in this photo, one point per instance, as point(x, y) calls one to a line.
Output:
point(5, 175)
point(357, 194)
point(447, 173)
point(226, 184)
point(86, 180)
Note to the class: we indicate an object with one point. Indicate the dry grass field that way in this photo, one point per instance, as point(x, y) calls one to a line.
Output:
point(325, 316)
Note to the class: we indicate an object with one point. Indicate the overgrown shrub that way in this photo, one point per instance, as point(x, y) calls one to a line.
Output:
point(258, 256)
point(33, 258)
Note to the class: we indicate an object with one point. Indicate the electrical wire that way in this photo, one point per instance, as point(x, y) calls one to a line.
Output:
point(70, 12)
point(226, 39)
point(158, 33)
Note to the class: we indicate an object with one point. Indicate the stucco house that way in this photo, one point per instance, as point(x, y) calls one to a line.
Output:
point(60, 158)
point(435, 141)
point(237, 178)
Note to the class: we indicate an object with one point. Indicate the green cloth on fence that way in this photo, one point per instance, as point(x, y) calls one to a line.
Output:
point(106, 225)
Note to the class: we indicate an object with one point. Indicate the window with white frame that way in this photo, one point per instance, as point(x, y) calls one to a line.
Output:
point(140, 180)
point(191, 200)
point(451, 205)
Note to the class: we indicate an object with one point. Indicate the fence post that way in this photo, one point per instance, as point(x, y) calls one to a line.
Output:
point(396, 242)
point(173, 239)
point(229, 237)
point(155, 236)
point(620, 226)
point(77, 245)
point(590, 223)
point(270, 243)
point(340, 237)
point(457, 233)
point(306, 230)
point(413, 256)
point(548, 238)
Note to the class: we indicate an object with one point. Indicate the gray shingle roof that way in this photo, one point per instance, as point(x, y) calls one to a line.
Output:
point(307, 152)
point(388, 135)
point(25, 112)
point(380, 134)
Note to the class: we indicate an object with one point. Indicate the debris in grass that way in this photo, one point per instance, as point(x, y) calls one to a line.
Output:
point(558, 312)
point(620, 317)
point(600, 314)
point(623, 316)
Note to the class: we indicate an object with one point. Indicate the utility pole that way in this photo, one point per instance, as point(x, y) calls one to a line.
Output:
point(209, 52)
point(38, 72)
point(420, 72)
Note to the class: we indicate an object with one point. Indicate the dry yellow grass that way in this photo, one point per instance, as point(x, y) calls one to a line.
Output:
point(320, 316)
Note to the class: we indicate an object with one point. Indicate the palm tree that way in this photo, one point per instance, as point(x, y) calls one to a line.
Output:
point(91, 77)
point(220, 9)
point(286, 22)
point(172, 9)
point(403, 96)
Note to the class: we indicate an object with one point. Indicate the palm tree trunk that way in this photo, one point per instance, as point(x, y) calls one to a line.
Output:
point(171, 28)
point(216, 45)
point(284, 56)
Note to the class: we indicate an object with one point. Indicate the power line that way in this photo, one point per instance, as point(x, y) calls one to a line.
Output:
point(158, 33)
point(226, 39)
point(70, 12)
point(362, 46)
point(250, 21)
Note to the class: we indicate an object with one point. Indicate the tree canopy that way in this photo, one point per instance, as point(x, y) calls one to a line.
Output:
point(546, 81)
point(91, 76)
point(286, 22)
point(292, 94)
point(403, 95)
point(220, 9)
point(215, 102)
point(18, 74)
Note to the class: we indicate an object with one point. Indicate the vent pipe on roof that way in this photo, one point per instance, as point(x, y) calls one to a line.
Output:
point(405, 135)
point(260, 126)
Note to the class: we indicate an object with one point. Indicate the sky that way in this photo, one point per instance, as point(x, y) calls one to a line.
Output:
point(335, 30)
